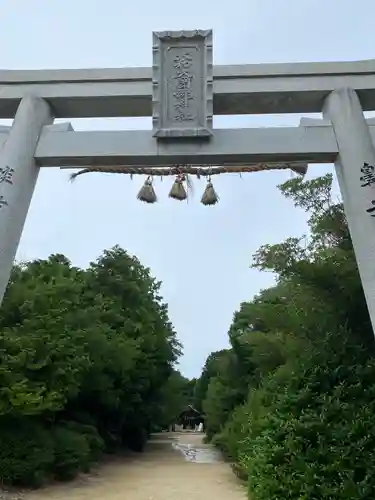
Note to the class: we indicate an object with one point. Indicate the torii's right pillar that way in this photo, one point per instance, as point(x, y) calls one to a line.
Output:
point(355, 169)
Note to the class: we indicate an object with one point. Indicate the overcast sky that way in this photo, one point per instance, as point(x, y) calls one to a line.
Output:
point(202, 254)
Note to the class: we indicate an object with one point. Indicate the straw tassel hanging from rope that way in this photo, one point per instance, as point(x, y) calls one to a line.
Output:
point(210, 196)
point(147, 192)
point(178, 191)
point(182, 185)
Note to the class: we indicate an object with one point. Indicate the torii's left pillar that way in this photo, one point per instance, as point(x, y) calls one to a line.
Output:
point(18, 176)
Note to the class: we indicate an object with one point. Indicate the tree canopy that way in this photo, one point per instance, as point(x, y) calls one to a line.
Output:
point(86, 355)
point(291, 403)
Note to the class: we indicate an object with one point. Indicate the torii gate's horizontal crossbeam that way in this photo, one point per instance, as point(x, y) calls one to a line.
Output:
point(315, 144)
point(245, 89)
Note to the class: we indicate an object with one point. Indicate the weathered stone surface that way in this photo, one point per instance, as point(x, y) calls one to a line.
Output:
point(355, 170)
point(182, 84)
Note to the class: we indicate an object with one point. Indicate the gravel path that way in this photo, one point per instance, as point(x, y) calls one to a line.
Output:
point(163, 472)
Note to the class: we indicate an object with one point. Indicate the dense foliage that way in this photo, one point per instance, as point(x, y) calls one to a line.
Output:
point(176, 394)
point(292, 402)
point(85, 358)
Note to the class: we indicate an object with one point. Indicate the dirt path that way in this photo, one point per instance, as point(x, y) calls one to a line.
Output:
point(161, 473)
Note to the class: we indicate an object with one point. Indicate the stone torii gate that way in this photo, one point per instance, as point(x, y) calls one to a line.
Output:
point(182, 91)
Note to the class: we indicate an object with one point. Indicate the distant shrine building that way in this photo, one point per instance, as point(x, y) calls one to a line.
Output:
point(190, 418)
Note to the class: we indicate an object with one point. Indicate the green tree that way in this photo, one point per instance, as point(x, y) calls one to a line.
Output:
point(304, 350)
point(210, 369)
point(176, 394)
point(85, 355)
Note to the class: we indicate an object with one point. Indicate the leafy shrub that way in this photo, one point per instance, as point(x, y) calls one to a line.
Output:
point(26, 452)
point(72, 453)
point(229, 439)
point(95, 442)
point(318, 440)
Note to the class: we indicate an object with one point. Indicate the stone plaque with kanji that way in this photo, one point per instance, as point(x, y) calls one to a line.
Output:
point(182, 84)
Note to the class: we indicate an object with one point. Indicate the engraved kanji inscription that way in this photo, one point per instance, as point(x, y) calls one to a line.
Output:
point(183, 90)
point(6, 175)
point(182, 84)
point(183, 61)
point(368, 177)
point(3, 202)
point(371, 210)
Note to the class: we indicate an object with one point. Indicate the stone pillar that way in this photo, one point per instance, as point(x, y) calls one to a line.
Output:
point(18, 175)
point(356, 181)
